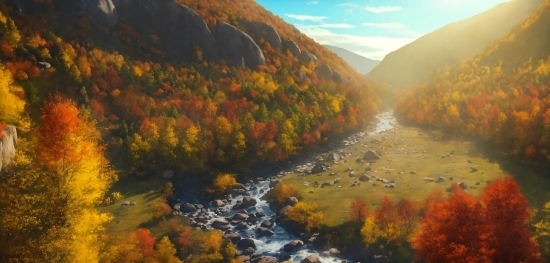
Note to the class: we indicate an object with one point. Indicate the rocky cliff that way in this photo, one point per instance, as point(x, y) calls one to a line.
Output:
point(7, 146)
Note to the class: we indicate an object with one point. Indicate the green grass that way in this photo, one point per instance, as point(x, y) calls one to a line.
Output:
point(397, 156)
point(128, 218)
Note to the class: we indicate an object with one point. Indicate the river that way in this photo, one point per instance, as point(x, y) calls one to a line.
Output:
point(271, 246)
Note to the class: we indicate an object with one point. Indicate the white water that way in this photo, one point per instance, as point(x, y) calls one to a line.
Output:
point(271, 245)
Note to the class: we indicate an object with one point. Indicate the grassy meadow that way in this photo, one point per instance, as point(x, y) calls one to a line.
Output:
point(405, 149)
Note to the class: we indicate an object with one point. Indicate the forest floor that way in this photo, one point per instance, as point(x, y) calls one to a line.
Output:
point(404, 149)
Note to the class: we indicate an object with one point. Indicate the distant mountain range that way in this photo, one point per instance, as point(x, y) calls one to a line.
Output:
point(362, 64)
point(450, 44)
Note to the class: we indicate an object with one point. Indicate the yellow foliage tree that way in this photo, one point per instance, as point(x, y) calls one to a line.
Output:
point(305, 215)
point(11, 106)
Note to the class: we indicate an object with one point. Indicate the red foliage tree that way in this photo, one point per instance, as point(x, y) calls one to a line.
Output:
point(359, 210)
point(386, 213)
point(454, 230)
point(508, 215)
point(146, 241)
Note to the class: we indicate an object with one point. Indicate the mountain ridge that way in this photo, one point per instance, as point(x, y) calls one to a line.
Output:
point(361, 63)
point(450, 44)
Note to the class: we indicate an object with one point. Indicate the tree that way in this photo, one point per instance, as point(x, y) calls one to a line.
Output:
point(73, 160)
point(11, 106)
point(146, 241)
point(222, 183)
point(508, 215)
point(359, 210)
point(543, 230)
point(454, 230)
point(281, 193)
point(305, 215)
point(166, 252)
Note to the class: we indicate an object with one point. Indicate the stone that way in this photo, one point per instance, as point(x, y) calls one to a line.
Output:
point(364, 178)
point(246, 243)
point(292, 201)
point(324, 72)
point(371, 155)
point(43, 65)
point(237, 48)
point(351, 174)
point(441, 179)
point(8, 144)
point(334, 157)
point(125, 203)
point(300, 75)
point(429, 179)
point(266, 223)
point(217, 224)
point(473, 169)
point(262, 231)
point(292, 47)
point(248, 202)
point(334, 252)
point(462, 185)
point(240, 216)
point(311, 259)
point(307, 57)
point(391, 185)
point(292, 245)
point(178, 27)
point(327, 184)
point(283, 256)
point(249, 251)
point(218, 203)
point(267, 32)
point(264, 260)
point(241, 226)
point(339, 77)
point(234, 237)
point(413, 172)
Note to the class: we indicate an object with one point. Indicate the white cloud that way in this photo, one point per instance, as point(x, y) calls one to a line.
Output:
point(382, 9)
point(312, 3)
point(386, 25)
point(374, 47)
point(348, 5)
point(307, 17)
point(340, 25)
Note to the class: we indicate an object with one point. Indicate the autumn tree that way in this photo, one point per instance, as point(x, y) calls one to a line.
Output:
point(281, 193)
point(73, 159)
point(305, 215)
point(11, 106)
point(507, 214)
point(359, 210)
point(454, 230)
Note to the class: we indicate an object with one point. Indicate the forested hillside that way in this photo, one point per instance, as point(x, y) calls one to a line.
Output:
point(500, 95)
point(450, 44)
point(90, 93)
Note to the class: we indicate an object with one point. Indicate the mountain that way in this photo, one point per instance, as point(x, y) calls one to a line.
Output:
point(362, 64)
point(499, 95)
point(450, 44)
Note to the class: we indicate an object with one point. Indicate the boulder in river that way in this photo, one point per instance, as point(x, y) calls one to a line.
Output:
point(311, 259)
point(292, 245)
point(248, 201)
point(187, 207)
point(246, 243)
point(234, 237)
point(262, 231)
point(266, 223)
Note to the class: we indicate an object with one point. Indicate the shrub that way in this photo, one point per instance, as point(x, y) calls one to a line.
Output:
point(281, 192)
point(305, 216)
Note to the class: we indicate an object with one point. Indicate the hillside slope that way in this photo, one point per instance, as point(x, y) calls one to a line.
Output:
point(362, 64)
point(166, 77)
point(501, 95)
point(450, 44)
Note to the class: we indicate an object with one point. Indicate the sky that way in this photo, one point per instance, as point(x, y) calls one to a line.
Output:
point(373, 28)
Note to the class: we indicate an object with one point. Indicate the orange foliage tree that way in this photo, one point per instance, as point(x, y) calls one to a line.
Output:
point(359, 210)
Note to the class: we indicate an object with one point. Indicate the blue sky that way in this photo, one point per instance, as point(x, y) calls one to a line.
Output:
point(373, 28)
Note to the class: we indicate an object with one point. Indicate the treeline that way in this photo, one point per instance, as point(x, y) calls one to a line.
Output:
point(501, 95)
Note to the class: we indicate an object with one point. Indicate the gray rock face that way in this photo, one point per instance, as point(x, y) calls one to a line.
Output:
point(324, 72)
point(292, 47)
point(237, 48)
point(338, 77)
point(300, 75)
point(179, 27)
point(305, 56)
point(266, 32)
point(7, 146)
